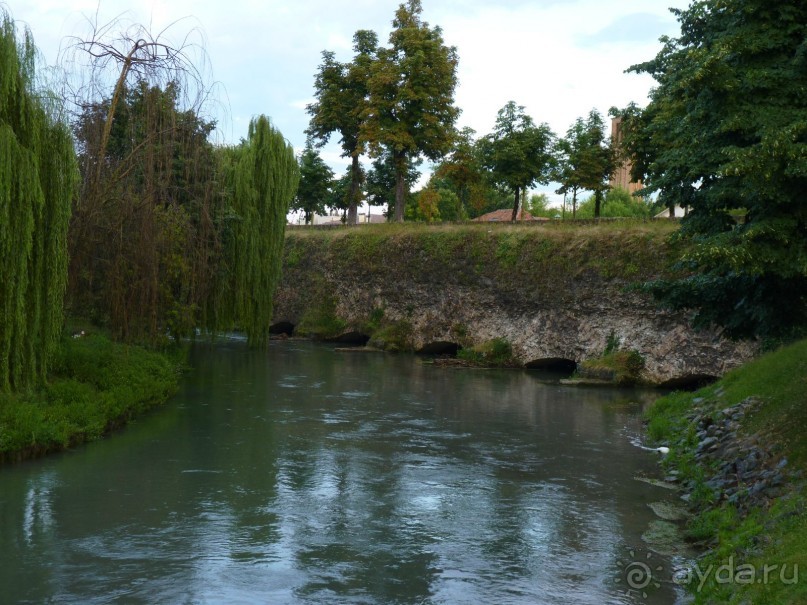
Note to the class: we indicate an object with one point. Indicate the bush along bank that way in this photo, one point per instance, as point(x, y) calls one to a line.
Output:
point(95, 386)
point(738, 452)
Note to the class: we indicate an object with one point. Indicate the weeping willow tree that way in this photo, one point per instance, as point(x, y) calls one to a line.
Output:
point(37, 178)
point(262, 174)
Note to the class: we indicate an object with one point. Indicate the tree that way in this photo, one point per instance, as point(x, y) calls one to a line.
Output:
point(727, 132)
point(144, 240)
point(618, 203)
point(382, 179)
point(37, 179)
point(464, 172)
point(341, 91)
point(586, 160)
point(262, 179)
point(538, 205)
point(519, 153)
point(316, 179)
point(411, 111)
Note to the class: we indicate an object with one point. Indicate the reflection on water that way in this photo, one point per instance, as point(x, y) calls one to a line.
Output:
point(306, 475)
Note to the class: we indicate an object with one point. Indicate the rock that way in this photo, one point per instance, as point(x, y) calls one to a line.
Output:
point(706, 443)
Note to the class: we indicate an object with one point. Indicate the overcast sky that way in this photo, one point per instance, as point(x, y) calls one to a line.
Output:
point(558, 58)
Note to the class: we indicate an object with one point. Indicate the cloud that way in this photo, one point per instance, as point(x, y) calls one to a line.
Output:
point(558, 58)
point(631, 29)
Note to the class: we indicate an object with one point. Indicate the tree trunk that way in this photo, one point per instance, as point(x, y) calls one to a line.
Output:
point(672, 210)
point(574, 203)
point(597, 203)
point(400, 186)
point(355, 191)
point(517, 199)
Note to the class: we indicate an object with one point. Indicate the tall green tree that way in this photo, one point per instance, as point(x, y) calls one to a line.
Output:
point(144, 240)
point(518, 153)
point(38, 175)
point(342, 96)
point(411, 110)
point(263, 180)
point(316, 181)
point(586, 160)
point(726, 129)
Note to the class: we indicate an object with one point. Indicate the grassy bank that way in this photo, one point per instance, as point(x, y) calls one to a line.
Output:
point(96, 386)
point(744, 534)
point(374, 264)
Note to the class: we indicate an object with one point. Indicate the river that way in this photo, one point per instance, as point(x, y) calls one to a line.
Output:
point(309, 475)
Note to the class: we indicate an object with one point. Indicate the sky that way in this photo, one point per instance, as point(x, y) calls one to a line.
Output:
point(557, 58)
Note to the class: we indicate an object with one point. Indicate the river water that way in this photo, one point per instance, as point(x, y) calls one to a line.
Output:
point(308, 475)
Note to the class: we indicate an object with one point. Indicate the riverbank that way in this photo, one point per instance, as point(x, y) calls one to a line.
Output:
point(555, 295)
point(739, 453)
point(95, 387)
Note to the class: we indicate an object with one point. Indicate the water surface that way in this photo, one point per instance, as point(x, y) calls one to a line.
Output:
point(306, 475)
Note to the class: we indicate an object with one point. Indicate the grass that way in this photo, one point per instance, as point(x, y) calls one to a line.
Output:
point(772, 536)
point(96, 386)
point(496, 353)
point(622, 367)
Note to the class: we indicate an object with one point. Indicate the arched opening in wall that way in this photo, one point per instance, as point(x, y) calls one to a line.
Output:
point(556, 365)
point(440, 347)
point(689, 382)
point(281, 327)
point(352, 338)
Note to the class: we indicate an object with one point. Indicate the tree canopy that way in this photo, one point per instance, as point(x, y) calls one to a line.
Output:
point(725, 135)
point(586, 160)
point(342, 96)
point(263, 177)
point(38, 173)
point(411, 110)
point(316, 183)
point(519, 153)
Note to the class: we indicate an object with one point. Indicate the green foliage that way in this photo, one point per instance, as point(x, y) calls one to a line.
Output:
point(518, 153)
point(374, 321)
point(618, 203)
point(342, 92)
point(381, 181)
point(393, 336)
point(538, 205)
point(463, 173)
point(263, 181)
point(617, 365)
point(492, 353)
point(146, 230)
point(95, 386)
point(621, 367)
point(320, 320)
point(761, 536)
point(613, 343)
point(432, 204)
point(316, 179)
point(586, 160)
point(37, 179)
point(726, 130)
point(411, 109)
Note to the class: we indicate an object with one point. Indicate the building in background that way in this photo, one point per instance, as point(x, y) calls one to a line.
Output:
point(621, 176)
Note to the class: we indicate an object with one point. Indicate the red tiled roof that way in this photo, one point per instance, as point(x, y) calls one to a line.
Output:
point(504, 216)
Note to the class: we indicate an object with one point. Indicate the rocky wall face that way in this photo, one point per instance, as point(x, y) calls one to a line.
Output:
point(552, 296)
